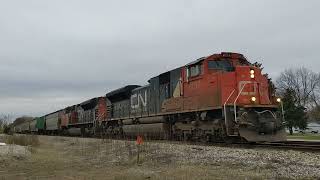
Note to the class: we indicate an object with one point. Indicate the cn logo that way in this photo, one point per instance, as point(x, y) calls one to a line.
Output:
point(244, 85)
point(138, 99)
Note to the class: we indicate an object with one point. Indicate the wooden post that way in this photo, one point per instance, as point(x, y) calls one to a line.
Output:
point(138, 155)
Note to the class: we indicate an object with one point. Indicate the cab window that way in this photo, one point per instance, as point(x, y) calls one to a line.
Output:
point(194, 70)
point(220, 64)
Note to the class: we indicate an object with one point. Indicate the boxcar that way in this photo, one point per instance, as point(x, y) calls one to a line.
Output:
point(17, 128)
point(25, 127)
point(33, 127)
point(52, 121)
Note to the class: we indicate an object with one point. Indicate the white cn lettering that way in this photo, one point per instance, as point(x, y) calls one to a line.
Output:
point(143, 101)
point(133, 105)
point(137, 99)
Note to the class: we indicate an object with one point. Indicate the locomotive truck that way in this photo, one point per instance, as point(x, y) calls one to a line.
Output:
point(220, 97)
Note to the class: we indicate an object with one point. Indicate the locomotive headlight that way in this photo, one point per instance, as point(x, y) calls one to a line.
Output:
point(278, 100)
point(251, 73)
point(253, 99)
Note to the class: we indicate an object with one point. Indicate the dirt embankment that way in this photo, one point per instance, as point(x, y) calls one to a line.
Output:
point(84, 158)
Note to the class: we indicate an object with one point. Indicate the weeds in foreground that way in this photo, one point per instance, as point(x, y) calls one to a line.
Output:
point(23, 140)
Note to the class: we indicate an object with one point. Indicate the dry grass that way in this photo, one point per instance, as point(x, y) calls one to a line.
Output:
point(22, 140)
point(304, 137)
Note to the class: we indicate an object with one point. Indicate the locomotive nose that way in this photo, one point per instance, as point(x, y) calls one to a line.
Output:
point(262, 126)
point(265, 122)
point(266, 127)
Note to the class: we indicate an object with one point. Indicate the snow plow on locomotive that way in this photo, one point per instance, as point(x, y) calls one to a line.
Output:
point(220, 97)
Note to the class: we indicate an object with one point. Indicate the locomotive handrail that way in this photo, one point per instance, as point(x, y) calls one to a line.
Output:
point(260, 112)
point(225, 111)
point(234, 103)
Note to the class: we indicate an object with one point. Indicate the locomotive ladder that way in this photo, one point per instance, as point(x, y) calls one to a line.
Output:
point(225, 113)
point(234, 108)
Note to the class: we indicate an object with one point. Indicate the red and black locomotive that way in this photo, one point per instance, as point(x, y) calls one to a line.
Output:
point(220, 97)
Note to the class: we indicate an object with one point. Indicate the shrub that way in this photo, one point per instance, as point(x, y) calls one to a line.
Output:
point(23, 140)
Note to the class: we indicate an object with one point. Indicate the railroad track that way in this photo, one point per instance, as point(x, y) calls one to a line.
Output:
point(290, 145)
point(296, 145)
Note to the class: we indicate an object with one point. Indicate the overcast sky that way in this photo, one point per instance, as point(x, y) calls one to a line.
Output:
point(55, 53)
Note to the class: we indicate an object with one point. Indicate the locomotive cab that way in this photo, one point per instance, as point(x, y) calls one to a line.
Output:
point(250, 109)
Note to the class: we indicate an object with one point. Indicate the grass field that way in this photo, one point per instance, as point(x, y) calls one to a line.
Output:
point(304, 136)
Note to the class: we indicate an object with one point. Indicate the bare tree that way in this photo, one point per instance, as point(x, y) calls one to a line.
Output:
point(315, 96)
point(4, 121)
point(315, 111)
point(305, 84)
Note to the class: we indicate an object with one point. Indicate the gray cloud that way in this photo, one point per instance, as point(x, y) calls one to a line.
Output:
point(58, 53)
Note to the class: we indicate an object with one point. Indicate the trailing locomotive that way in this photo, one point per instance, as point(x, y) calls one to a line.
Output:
point(220, 97)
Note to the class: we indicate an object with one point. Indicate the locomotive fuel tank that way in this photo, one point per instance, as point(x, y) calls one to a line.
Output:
point(158, 130)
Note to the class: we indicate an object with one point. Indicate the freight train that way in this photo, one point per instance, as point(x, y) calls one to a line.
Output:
point(220, 97)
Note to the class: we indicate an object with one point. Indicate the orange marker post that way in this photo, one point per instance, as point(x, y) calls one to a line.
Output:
point(139, 141)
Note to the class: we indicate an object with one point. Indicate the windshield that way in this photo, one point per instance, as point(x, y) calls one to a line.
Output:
point(223, 64)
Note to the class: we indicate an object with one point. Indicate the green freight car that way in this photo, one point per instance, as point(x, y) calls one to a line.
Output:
point(40, 124)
